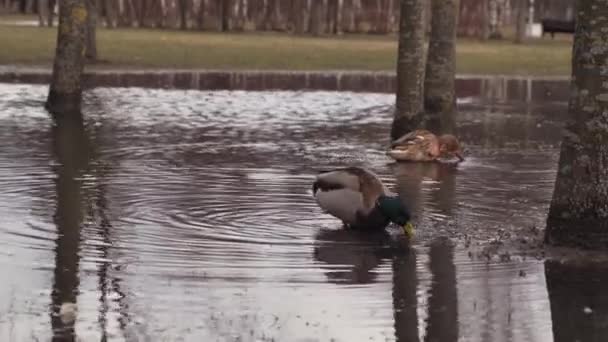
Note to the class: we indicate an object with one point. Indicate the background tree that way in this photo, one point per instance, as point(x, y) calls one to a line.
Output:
point(578, 215)
point(65, 92)
point(439, 92)
point(520, 25)
point(410, 68)
point(91, 39)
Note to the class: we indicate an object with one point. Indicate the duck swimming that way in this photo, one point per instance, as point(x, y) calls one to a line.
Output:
point(358, 197)
point(423, 146)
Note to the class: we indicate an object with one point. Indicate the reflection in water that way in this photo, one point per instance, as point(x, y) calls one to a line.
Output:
point(405, 299)
point(71, 150)
point(579, 300)
point(351, 256)
point(442, 325)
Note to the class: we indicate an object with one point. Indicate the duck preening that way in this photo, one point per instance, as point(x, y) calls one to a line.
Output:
point(359, 198)
point(423, 146)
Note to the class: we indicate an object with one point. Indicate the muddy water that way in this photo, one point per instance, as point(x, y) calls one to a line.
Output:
point(187, 216)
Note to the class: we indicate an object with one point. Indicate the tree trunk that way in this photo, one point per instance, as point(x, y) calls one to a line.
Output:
point(43, 7)
point(201, 15)
point(578, 215)
point(51, 13)
point(439, 93)
point(410, 68)
point(183, 14)
point(91, 42)
point(520, 25)
point(65, 92)
point(316, 18)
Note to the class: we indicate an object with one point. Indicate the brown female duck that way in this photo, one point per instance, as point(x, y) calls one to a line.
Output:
point(423, 146)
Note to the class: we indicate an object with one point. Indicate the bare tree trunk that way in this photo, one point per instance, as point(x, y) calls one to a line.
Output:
point(201, 14)
point(410, 68)
point(91, 40)
point(51, 12)
point(183, 14)
point(578, 215)
point(224, 10)
point(439, 92)
point(520, 25)
point(43, 7)
point(65, 92)
point(316, 17)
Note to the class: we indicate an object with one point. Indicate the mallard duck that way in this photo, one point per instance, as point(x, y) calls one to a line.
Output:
point(423, 146)
point(359, 198)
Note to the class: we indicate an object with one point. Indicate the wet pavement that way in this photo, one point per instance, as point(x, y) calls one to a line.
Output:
point(187, 215)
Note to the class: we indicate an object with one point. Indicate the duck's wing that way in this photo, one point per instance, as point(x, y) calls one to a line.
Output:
point(412, 137)
point(346, 191)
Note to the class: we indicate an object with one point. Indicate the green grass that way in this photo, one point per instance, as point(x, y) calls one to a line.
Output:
point(145, 48)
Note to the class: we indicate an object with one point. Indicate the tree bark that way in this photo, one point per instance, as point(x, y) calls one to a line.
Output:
point(65, 94)
point(410, 68)
point(91, 39)
point(578, 215)
point(439, 92)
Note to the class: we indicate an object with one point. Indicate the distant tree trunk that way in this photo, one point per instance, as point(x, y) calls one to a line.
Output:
point(316, 18)
point(201, 14)
point(224, 8)
point(339, 15)
point(520, 28)
point(578, 215)
point(485, 19)
point(65, 92)
point(111, 13)
point(183, 14)
point(43, 8)
point(91, 42)
point(410, 68)
point(51, 13)
point(439, 92)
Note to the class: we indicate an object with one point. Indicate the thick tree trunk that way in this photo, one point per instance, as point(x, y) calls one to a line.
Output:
point(91, 39)
point(316, 17)
point(65, 92)
point(410, 68)
point(439, 92)
point(578, 215)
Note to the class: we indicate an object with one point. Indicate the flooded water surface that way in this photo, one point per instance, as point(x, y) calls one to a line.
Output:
point(188, 216)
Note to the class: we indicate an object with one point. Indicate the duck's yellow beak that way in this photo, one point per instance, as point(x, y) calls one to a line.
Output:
point(408, 229)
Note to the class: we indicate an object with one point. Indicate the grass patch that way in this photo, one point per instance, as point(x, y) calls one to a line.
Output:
point(147, 48)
